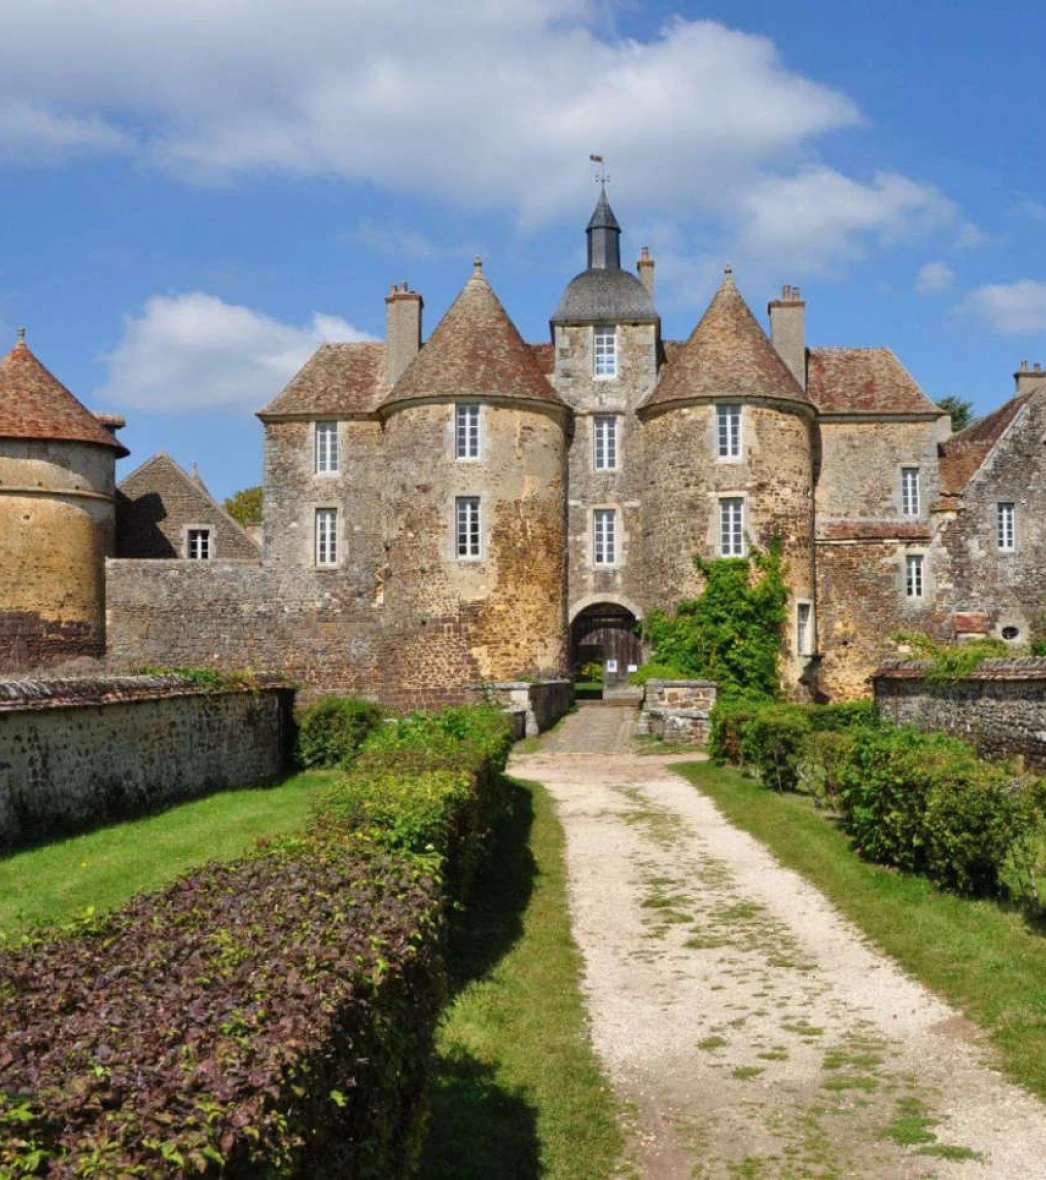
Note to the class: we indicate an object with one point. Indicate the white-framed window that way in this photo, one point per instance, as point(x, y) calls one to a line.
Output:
point(1006, 526)
point(804, 631)
point(732, 527)
point(326, 448)
point(915, 575)
point(605, 442)
point(198, 544)
point(728, 430)
point(604, 536)
point(466, 431)
point(466, 528)
point(326, 536)
point(604, 351)
point(910, 491)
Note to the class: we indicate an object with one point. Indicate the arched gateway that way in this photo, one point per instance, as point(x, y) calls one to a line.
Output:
point(607, 634)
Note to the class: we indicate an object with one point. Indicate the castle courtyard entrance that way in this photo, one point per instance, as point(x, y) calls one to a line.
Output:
point(606, 634)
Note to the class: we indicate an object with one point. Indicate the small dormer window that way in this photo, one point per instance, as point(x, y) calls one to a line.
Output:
point(604, 352)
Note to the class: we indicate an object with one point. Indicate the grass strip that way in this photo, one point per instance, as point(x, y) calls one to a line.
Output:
point(984, 957)
point(56, 882)
point(518, 1090)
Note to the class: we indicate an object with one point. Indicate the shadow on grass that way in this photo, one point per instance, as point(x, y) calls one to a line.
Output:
point(479, 1129)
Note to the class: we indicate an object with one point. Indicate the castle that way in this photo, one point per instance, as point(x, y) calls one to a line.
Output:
point(473, 508)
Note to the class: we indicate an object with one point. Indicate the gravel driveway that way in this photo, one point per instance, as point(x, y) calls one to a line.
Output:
point(749, 1028)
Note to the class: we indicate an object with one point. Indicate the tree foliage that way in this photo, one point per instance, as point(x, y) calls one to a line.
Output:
point(731, 633)
point(961, 411)
point(245, 506)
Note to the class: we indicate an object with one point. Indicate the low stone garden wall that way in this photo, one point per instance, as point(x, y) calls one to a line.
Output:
point(1000, 708)
point(542, 701)
point(77, 753)
point(677, 710)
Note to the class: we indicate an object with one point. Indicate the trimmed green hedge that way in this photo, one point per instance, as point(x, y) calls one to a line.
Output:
point(272, 1016)
point(332, 729)
point(922, 802)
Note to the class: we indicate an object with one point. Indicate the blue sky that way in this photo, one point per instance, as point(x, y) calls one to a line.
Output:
point(193, 194)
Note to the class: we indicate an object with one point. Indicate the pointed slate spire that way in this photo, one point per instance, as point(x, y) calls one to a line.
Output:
point(604, 236)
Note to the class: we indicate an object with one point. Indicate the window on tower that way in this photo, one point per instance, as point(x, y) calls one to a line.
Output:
point(604, 352)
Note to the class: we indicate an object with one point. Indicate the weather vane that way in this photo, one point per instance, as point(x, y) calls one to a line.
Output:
point(602, 177)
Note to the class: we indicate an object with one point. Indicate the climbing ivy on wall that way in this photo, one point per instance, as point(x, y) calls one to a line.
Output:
point(730, 633)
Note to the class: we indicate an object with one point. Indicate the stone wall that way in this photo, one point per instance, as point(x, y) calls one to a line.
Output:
point(542, 702)
point(317, 627)
point(677, 710)
point(1000, 708)
point(77, 753)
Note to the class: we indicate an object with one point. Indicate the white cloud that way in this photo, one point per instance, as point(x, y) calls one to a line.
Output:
point(1013, 309)
point(194, 351)
point(1035, 210)
point(819, 216)
point(933, 277)
point(34, 133)
point(970, 237)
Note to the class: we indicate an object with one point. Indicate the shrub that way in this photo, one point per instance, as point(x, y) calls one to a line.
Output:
point(846, 715)
point(926, 804)
point(824, 757)
point(273, 1016)
point(331, 730)
point(763, 734)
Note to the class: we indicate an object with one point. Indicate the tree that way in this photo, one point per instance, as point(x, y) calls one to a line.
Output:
point(245, 506)
point(961, 411)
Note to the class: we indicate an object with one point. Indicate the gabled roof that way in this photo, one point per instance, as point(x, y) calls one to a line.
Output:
point(475, 351)
point(963, 454)
point(863, 381)
point(727, 355)
point(35, 404)
point(337, 379)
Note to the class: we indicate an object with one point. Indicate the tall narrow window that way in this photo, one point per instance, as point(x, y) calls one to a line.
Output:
point(910, 491)
point(466, 526)
point(604, 536)
point(803, 636)
point(604, 352)
point(466, 431)
point(326, 448)
point(198, 544)
point(326, 536)
point(728, 419)
point(731, 528)
point(605, 442)
point(914, 575)
point(1005, 526)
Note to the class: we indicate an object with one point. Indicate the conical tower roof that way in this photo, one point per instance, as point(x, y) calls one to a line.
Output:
point(727, 355)
point(35, 404)
point(475, 351)
point(603, 216)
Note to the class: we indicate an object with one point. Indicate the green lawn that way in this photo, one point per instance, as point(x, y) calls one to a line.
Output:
point(56, 882)
point(518, 1093)
point(987, 959)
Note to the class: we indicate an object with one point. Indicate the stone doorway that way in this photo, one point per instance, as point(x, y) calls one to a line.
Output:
point(608, 635)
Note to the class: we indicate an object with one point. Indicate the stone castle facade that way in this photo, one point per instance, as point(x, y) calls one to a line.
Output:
point(470, 507)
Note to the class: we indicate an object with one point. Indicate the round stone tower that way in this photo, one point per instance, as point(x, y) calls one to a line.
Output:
point(730, 439)
point(57, 517)
point(475, 489)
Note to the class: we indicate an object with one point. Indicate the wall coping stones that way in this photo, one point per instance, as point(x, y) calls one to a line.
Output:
point(681, 683)
point(20, 695)
point(1025, 668)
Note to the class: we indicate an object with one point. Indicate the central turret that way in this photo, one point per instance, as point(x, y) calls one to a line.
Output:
point(604, 237)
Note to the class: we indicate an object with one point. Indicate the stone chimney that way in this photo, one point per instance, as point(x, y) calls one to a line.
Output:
point(403, 330)
point(788, 331)
point(645, 269)
point(1026, 377)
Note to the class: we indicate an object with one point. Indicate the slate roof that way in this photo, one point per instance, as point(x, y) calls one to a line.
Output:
point(727, 355)
point(337, 379)
point(475, 351)
point(35, 404)
point(863, 381)
point(605, 296)
point(963, 453)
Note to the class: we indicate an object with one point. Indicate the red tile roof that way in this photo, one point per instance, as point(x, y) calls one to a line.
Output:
point(863, 381)
point(337, 379)
point(727, 355)
point(963, 453)
point(475, 351)
point(545, 355)
point(35, 404)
